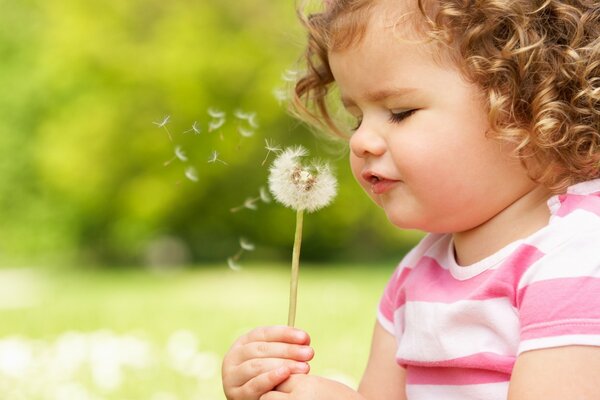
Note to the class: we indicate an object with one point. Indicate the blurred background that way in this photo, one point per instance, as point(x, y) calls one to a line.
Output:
point(134, 143)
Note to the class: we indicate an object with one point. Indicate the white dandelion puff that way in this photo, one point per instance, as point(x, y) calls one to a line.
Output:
point(216, 113)
point(271, 147)
point(245, 132)
point(246, 116)
point(233, 265)
point(301, 187)
point(264, 195)
point(191, 174)
point(214, 157)
point(216, 124)
point(246, 245)
point(195, 128)
point(163, 124)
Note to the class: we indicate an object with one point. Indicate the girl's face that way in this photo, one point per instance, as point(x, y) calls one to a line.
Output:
point(420, 149)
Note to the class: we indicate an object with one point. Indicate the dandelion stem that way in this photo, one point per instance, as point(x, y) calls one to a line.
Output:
point(295, 267)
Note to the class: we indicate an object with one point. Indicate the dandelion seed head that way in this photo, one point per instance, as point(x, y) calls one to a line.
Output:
point(298, 186)
point(191, 174)
point(180, 154)
point(246, 245)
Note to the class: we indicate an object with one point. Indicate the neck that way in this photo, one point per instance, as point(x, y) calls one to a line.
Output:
point(521, 218)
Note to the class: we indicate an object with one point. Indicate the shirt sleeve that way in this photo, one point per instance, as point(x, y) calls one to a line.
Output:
point(558, 298)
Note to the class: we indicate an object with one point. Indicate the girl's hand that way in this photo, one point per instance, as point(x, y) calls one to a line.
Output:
point(310, 387)
point(262, 359)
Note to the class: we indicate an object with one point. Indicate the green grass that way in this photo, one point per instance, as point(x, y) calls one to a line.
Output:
point(336, 306)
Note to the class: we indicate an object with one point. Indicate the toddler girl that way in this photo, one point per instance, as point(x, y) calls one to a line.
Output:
point(478, 122)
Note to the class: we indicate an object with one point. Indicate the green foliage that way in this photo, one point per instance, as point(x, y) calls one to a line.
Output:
point(81, 162)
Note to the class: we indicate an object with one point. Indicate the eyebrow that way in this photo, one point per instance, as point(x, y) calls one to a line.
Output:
point(379, 95)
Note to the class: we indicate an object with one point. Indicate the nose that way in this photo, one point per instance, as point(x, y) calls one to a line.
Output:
point(366, 141)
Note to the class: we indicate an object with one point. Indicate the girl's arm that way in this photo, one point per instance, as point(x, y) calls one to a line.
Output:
point(570, 372)
point(383, 379)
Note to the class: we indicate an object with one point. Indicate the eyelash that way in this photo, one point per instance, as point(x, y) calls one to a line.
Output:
point(395, 118)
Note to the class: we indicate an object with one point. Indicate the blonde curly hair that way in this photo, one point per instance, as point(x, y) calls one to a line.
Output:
point(537, 62)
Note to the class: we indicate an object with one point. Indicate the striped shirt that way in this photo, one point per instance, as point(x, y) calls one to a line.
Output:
point(460, 329)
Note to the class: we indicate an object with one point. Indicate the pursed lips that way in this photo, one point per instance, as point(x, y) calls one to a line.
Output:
point(379, 183)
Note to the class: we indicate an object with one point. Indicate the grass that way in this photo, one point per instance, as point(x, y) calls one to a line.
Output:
point(212, 305)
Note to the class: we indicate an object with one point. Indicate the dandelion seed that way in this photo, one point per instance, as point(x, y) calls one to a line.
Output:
point(195, 128)
point(249, 203)
point(281, 95)
point(264, 195)
point(214, 157)
point(245, 132)
point(301, 188)
point(179, 153)
point(246, 245)
point(271, 148)
point(239, 114)
point(216, 124)
point(191, 174)
point(216, 113)
point(163, 124)
point(290, 75)
point(233, 265)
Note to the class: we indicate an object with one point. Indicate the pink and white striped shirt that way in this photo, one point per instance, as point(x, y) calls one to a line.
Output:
point(460, 329)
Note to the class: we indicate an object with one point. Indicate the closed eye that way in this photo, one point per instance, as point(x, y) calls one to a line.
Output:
point(401, 116)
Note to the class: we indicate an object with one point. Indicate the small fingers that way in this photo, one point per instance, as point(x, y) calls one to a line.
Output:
point(251, 368)
point(276, 350)
point(263, 383)
point(277, 333)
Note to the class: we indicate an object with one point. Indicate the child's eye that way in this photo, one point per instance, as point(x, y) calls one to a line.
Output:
point(401, 116)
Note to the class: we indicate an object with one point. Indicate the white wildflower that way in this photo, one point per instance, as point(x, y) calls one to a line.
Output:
point(191, 174)
point(301, 187)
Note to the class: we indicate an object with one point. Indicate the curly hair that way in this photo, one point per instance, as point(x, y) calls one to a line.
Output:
point(536, 61)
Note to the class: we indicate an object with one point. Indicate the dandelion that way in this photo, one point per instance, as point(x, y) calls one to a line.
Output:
point(195, 128)
point(214, 157)
point(233, 265)
point(290, 75)
point(302, 188)
point(271, 148)
point(163, 124)
point(246, 245)
point(191, 174)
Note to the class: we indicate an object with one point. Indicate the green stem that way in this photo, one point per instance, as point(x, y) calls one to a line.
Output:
point(295, 268)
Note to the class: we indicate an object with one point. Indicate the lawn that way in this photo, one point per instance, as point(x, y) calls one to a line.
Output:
point(132, 334)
